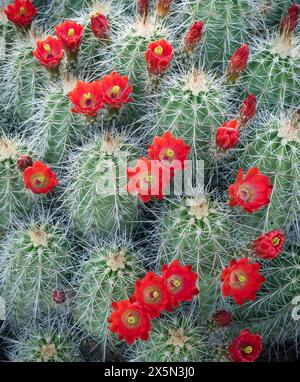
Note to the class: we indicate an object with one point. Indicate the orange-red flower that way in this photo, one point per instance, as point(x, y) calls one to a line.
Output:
point(151, 294)
point(170, 151)
point(163, 7)
point(129, 321)
point(251, 191)
point(100, 26)
point(227, 135)
point(193, 36)
point(158, 57)
point(180, 281)
point(269, 245)
point(49, 52)
point(87, 98)
point(39, 178)
point(290, 21)
point(248, 109)
point(241, 280)
point(116, 90)
point(70, 34)
point(246, 347)
point(148, 179)
point(21, 12)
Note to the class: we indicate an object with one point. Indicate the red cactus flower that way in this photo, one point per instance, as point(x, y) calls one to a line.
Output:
point(193, 36)
point(163, 7)
point(222, 318)
point(171, 152)
point(238, 62)
point(100, 26)
point(148, 178)
point(87, 98)
point(39, 178)
point(290, 21)
point(49, 52)
point(241, 280)
point(180, 281)
point(21, 13)
point(116, 90)
point(269, 245)
point(246, 347)
point(70, 34)
point(227, 135)
point(251, 191)
point(129, 321)
point(248, 109)
point(151, 294)
point(158, 57)
point(59, 296)
point(23, 162)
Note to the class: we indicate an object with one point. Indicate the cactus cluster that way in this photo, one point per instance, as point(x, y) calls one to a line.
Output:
point(149, 150)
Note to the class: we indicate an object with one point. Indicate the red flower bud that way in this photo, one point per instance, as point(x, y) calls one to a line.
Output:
point(222, 318)
point(21, 13)
point(193, 36)
point(158, 57)
point(290, 21)
point(269, 245)
point(142, 7)
point(59, 296)
point(248, 109)
point(228, 135)
point(238, 62)
point(163, 7)
point(23, 162)
point(100, 26)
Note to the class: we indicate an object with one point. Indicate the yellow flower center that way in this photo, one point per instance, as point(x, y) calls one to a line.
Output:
point(22, 11)
point(177, 283)
point(47, 47)
point(131, 320)
point(115, 89)
point(169, 153)
point(155, 294)
point(149, 178)
point(248, 349)
point(87, 96)
point(38, 180)
point(241, 278)
point(158, 50)
point(276, 241)
point(71, 32)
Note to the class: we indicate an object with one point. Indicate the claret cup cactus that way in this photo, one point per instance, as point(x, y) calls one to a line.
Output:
point(149, 180)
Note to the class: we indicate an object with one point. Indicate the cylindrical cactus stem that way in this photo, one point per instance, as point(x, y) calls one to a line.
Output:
point(15, 200)
point(275, 151)
point(96, 194)
point(35, 264)
point(50, 341)
point(55, 129)
point(106, 275)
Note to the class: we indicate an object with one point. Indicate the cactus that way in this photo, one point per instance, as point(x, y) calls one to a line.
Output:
point(192, 107)
point(55, 129)
point(35, 263)
point(92, 198)
point(274, 149)
point(107, 274)
point(45, 342)
point(273, 71)
point(227, 25)
point(14, 198)
point(273, 10)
